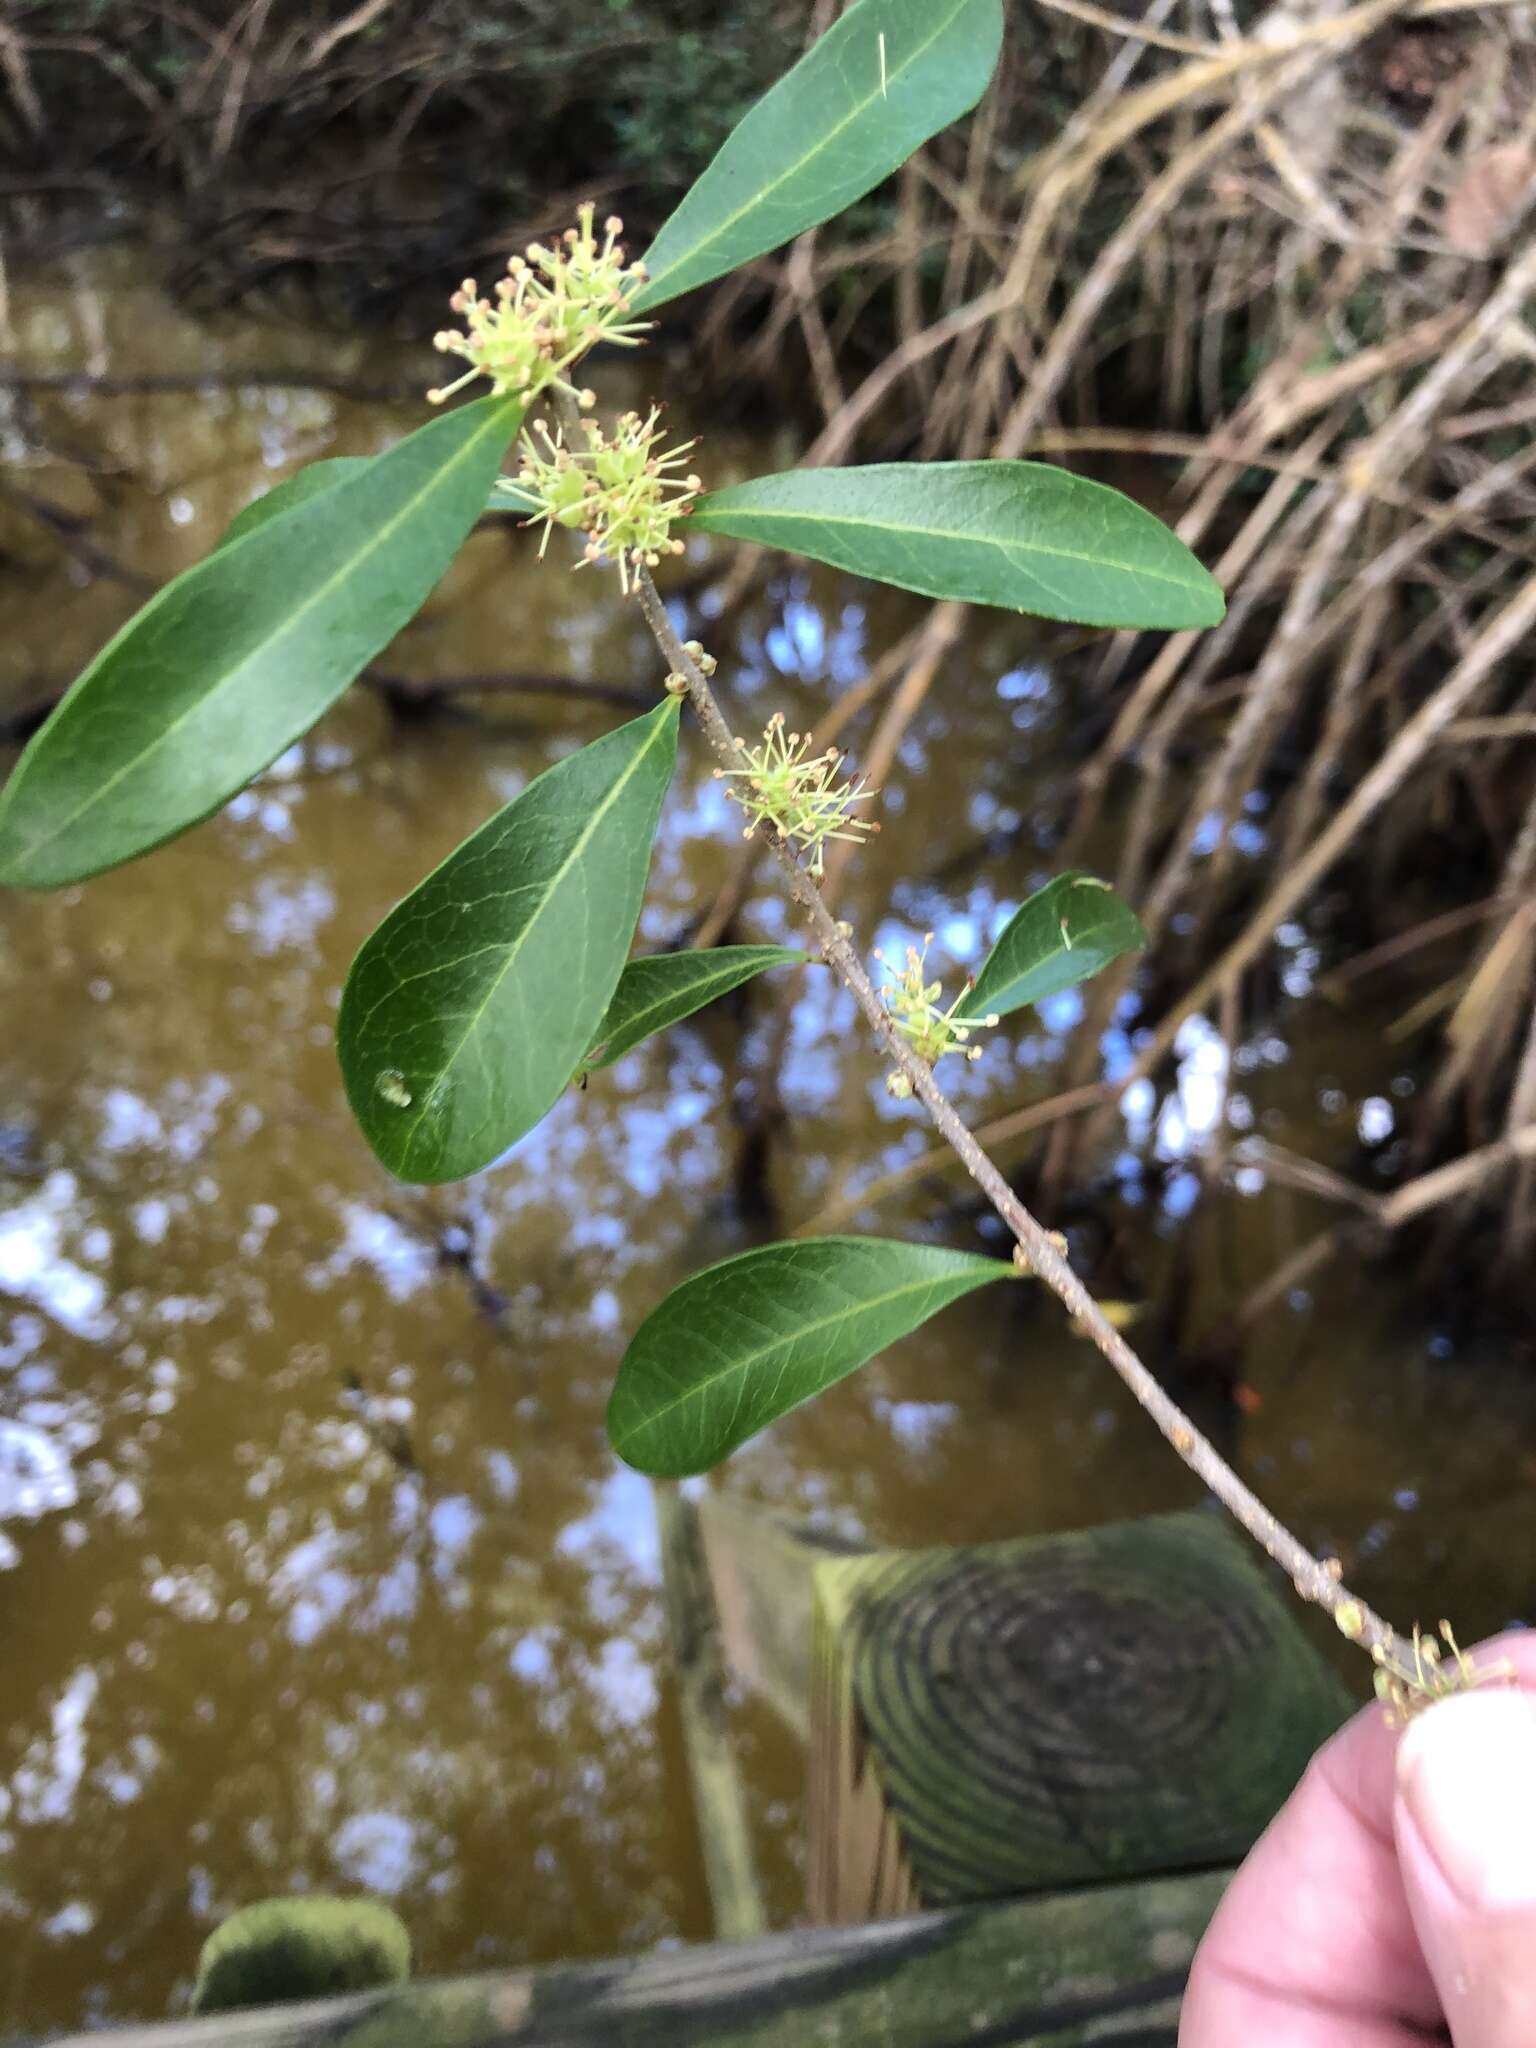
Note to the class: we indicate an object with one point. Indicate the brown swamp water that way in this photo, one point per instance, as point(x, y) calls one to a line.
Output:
point(314, 1568)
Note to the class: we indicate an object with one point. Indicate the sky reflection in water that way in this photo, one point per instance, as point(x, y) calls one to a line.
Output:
point(315, 1570)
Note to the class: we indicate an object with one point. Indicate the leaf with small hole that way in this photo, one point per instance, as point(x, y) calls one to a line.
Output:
point(468, 1011)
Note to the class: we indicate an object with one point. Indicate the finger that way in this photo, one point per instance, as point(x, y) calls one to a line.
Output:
point(1465, 1820)
point(1313, 1945)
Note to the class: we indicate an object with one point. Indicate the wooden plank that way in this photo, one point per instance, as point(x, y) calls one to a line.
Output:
point(760, 1568)
point(999, 1719)
point(1103, 1966)
point(719, 1797)
point(857, 1867)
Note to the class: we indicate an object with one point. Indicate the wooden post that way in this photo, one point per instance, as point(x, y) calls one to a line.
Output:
point(760, 1568)
point(1104, 1966)
point(300, 1947)
point(998, 1719)
point(719, 1798)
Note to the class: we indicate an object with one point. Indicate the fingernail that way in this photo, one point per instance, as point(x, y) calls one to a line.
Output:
point(1466, 1770)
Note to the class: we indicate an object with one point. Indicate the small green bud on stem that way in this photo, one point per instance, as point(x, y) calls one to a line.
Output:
point(797, 794)
point(912, 1002)
point(618, 489)
point(552, 305)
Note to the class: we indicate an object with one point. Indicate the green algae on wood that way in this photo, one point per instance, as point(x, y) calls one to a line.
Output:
point(720, 1808)
point(760, 1567)
point(281, 1949)
point(1005, 1717)
point(1100, 1967)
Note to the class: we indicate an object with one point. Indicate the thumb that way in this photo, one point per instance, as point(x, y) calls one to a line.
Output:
point(1465, 1820)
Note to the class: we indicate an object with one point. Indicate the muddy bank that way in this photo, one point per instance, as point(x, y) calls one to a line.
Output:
point(364, 154)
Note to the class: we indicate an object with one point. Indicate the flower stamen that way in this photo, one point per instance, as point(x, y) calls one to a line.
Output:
point(554, 303)
point(620, 490)
point(1407, 1689)
point(798, 795)
point(913, 1002)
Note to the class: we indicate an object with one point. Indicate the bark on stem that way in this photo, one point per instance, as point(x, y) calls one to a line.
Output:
point(1313, 1579)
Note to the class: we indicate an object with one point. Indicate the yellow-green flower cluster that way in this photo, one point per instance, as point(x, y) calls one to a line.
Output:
point(553, 305)
point(912, 1002)
point(621, 490)
point(798, 794)
point(1405, 1690)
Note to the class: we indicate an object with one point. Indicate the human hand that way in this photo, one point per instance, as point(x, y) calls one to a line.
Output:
point(1393, 1897)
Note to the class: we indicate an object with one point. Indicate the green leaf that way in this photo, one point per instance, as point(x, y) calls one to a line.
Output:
point(468, 1010)
point(1063, 934)
point(1019, 534)
point(737, 1346)
point(235, 659)
point(506, 496)
point(883, 78)
point(295, 490)
point(664, 988)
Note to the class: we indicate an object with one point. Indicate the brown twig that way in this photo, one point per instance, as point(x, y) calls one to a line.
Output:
point(1037, 1250)
point(1496, 639)
point(1382, 1215)
point(1001, 1131)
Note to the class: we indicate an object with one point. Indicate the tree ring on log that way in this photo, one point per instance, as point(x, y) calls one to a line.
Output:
point(1105, 1704)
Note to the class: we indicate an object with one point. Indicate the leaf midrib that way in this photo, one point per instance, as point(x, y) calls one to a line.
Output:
point(753, 1358)
point(830, 136)
point(980, 997)
point(718, 972)
point(701, 519)
point(102, 790)
point(557, 876)
point(1081, 942)
point(660, 1003)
